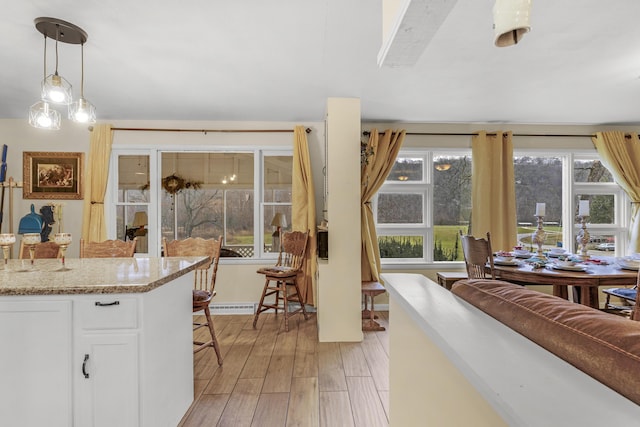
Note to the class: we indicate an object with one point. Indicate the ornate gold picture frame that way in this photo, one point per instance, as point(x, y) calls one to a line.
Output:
point(52, 175)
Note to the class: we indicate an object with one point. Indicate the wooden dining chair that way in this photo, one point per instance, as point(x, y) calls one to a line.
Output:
point(42, 250)
point(284, 275)
point(107, 249)
point(628, 295)
point(204, 281)
point(478, 256)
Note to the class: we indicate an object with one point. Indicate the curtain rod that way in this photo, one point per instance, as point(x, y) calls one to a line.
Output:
point(205, 131)
point(366, 133)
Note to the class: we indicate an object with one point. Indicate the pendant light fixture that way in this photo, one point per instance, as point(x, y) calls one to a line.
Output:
point(82, 111)
point(56, 90)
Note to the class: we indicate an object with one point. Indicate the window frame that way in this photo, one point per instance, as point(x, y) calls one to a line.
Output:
point(570, 189)
point(154, 211)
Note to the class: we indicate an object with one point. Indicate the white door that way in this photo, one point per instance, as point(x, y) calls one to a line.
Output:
point(106, 372)
point(35, 363)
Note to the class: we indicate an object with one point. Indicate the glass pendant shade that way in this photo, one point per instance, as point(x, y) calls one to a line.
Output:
point(43, 117)
point(82, 111)
point(57, 90)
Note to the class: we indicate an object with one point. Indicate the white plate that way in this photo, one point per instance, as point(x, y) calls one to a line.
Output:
point(527, 255)
point(628, 266)
point(569, 267)
point(498, 262)
point(556, 255)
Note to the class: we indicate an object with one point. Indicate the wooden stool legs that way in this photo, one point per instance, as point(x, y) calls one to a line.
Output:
point(214, 341)
point(369, 291)
point(280, 292)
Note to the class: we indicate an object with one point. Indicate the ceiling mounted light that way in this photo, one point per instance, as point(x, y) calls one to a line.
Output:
point(55, 88)
point(510, 21)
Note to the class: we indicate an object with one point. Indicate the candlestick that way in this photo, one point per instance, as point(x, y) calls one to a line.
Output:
point(540, 209)
point(583, 238)
point(539, 236)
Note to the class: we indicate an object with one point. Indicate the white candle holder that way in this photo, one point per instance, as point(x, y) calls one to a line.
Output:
point(539, 237)
point(583, 237)
point(63, 240)
point(6, 242)
point(31, 240)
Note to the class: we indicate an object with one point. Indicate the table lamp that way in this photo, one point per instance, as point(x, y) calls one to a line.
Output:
point(279, 221)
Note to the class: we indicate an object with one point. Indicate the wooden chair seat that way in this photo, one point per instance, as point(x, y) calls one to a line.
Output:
point(284, 276)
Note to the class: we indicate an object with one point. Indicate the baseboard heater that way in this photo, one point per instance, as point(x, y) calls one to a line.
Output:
point(233, 308)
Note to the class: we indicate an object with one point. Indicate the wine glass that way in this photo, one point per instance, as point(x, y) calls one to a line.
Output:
point(63, 240)
point(30, 240)
point(6, 241)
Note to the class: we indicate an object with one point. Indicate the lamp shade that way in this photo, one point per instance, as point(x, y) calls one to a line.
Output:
point(140, 219)
point(279, 220)
point(510, 21)
point(42, 116)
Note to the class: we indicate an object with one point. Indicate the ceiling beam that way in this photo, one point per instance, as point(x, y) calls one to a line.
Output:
point(408, 27)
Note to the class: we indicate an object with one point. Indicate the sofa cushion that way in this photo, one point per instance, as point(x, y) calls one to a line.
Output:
point(605, 346)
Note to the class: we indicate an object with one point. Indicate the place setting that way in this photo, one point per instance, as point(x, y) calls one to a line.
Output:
point(505, 258)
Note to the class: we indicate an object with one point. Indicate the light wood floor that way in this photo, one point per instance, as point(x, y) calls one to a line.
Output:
point(274, 378)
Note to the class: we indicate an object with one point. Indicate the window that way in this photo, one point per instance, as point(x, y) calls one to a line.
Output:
point(205, 194)
point(132, 201)
point(400, 210)
point(426, 201)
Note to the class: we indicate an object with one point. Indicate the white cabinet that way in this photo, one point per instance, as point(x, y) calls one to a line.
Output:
point(107, 390)
point(35, 363)
point(106, 361)
point(100, 360)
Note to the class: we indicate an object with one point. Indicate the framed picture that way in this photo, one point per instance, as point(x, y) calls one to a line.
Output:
point(52, 175)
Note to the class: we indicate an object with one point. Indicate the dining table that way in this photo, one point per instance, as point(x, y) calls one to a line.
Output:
point(585, 278)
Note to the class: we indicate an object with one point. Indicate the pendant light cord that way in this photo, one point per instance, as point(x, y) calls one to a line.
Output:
point(82, 70)
point(57, 36)
point(44, 67)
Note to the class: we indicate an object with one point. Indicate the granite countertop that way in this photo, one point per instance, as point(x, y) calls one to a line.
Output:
point(92, 275)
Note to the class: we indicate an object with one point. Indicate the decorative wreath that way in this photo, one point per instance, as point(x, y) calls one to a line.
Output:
point(173, 184)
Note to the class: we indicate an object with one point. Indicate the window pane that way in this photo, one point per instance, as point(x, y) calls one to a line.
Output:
point(601, 208)
point(451, 190)
point(590, 171)
point(209, 195)
point(401, 246)
point(538, 180)
point(602, 244)
point(400, 208)
point(277, 178)
point(447, 245)
point(133, 179)
point(407, 169)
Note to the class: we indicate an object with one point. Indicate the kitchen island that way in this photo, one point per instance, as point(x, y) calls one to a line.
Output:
point(106, 343)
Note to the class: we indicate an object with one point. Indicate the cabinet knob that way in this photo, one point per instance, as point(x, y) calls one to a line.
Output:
point(84, 366)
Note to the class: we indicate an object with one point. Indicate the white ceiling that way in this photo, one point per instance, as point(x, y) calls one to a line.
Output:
point(280, 60)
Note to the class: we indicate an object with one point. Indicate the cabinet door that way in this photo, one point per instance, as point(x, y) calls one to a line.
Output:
point(106, 369)
point(35, 363)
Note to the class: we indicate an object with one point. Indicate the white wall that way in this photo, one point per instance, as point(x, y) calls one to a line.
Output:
point(20, 137)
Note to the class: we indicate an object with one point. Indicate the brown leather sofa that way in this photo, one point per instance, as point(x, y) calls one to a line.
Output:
point(605, 346)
